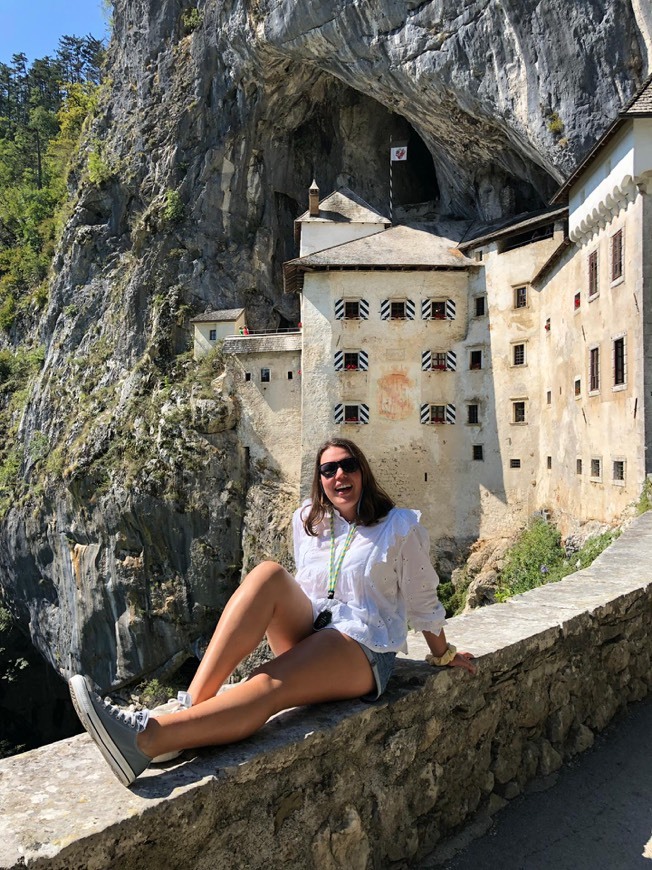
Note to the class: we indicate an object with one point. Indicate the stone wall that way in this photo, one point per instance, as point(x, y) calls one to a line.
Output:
point(357, 785)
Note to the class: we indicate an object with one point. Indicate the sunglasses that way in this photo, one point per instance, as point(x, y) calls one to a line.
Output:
point(348, 465)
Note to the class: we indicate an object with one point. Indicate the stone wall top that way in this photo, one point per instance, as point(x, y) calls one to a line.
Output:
point(358, 785)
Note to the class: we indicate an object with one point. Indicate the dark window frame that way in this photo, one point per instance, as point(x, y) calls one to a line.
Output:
point(617, 263)
point(594, 285)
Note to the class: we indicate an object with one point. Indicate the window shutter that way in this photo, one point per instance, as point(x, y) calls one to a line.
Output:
point(364, 413)
point(450, 413)
point(450, 309)
point(426, 309)
point(363, 360)
point(425, 413)
point(339, 360)
point(339, 413)
point(451, 361)
point(339, 309)
point(426, 360)
point(409, 309)
point(364, 309)
point(385, 308)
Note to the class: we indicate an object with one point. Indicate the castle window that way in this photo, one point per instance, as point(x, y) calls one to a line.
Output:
point(478, 452)
point(290, 375)
point(618, 475)
point(519, 354)
point(514, 463)
point(475, 359)
point(437, 309)
point(480, 306)
point(547, 325)
point(520, 297)
point(439, 362)
point(578, 466)
point(548, 462)
point(351, 361)
point(212, 335)
point(620, 373)
point(518, 412)
point(596, 468)
point(549, 397)
point(397, 309)
point(247, 376)
point(265, 376)
point(438, 414)
point(594, 370)
point(577, 301)
point(593, 274)
point(351, 309)
point(617, 256)
point(577, 387)
point(354, 412)
point(472, 414)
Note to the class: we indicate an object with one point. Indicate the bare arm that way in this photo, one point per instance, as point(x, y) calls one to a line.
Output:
point(438, 646)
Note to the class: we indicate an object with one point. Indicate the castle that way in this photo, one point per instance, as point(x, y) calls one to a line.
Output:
point(488, 372)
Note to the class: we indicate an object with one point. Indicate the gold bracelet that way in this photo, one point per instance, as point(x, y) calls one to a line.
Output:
point(445, 659)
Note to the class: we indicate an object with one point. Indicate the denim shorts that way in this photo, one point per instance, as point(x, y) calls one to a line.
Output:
point(382, 665)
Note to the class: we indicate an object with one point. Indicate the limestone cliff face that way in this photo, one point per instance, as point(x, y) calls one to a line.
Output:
point(215, 119)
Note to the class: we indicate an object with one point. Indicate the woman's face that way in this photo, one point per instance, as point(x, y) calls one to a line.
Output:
point(344, 489)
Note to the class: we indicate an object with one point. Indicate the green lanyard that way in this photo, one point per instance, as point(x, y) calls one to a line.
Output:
point(335, 566)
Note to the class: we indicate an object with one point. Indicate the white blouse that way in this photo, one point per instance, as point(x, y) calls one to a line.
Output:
point(386, 579)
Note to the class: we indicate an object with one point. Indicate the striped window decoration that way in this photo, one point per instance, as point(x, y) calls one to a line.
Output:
point(431, 413)
point(352, 412)
point(344, 309)
point(438, 309)
point(437, 361)
point(351, 360)
point(389, 309)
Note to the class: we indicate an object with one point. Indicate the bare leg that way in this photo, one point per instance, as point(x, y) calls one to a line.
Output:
point(269, 600)
point(326, 666)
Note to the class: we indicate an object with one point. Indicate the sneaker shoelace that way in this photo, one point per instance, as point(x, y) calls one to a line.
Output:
point(132, 719)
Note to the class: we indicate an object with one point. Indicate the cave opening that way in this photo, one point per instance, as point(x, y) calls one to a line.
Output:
point(414, 180)
point(345, 141)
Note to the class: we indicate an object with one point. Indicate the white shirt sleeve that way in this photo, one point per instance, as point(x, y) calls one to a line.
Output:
point(418, 583)
point(298, 535)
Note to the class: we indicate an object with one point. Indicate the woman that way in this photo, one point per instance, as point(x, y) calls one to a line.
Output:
point(363, 571)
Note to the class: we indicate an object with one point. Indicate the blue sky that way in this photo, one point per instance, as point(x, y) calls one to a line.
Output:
point(34, 26)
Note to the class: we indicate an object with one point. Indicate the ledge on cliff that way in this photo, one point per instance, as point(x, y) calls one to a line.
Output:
point(356, 785)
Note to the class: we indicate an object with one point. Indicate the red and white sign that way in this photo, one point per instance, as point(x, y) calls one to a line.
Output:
point(399, 153)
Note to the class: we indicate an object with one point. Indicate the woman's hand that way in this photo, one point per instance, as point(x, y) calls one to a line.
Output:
point(463, 660)
point(444, 654)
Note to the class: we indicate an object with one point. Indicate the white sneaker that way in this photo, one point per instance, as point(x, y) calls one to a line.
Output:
point(182, 702)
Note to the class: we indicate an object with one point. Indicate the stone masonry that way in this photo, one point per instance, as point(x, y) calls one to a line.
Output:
point(356, 785)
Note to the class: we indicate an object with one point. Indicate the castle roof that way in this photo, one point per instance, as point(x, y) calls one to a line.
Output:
point(639, 106)
point(345, 206)
point(262, 343)
point(402, 247)
point(226, 314)
point(482, 234)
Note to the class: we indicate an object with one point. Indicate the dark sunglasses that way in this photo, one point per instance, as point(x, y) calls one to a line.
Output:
point(348, 465)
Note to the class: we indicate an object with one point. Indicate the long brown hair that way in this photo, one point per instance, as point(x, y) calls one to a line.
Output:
point(374, 502)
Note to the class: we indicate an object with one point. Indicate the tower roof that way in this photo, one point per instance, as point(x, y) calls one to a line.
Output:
point(345, 206)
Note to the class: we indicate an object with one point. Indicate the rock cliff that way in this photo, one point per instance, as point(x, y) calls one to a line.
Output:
point(127, 536)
